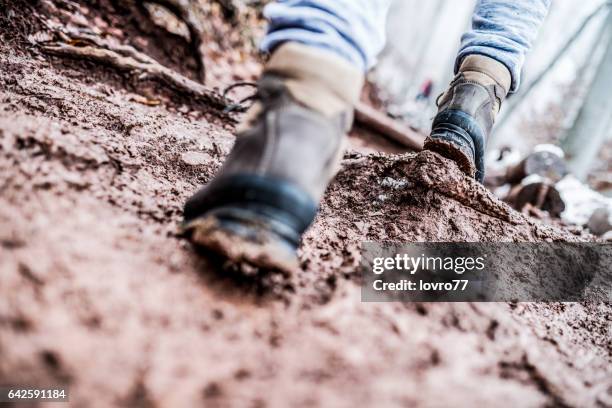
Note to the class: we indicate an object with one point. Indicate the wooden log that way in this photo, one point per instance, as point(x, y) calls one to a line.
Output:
point(380, 123)
point(540, 194)
point(543, 163)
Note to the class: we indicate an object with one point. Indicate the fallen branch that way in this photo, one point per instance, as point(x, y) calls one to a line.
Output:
point(127, 58)
point(370, 118)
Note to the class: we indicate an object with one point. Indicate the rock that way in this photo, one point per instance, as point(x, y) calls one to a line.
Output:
point(601, 221)
point(195, 158)
point(540, 194)
point(393, 183)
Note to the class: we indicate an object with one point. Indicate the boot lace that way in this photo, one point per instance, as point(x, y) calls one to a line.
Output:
point(243, 104)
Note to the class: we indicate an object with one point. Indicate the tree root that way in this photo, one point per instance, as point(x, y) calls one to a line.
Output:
point(183, 10)
point(127, 58)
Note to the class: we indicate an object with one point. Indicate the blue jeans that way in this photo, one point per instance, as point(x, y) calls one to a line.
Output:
point(355, 29)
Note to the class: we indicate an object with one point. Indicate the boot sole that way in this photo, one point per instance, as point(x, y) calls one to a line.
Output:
point(457, 136)
point(250, 219)
point(245, 245)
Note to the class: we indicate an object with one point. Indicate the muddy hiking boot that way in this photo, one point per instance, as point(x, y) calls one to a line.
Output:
point(287, 150)
point(466, 113)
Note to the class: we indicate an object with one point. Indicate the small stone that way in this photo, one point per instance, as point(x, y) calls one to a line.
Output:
point(39, 37)
point(600, 221)
point(195, 158)
point(393, 183)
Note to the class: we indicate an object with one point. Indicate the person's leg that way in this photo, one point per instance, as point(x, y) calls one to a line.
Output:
point(488, 67)
point(352, 29)
point(289, 144)
point(505, 31)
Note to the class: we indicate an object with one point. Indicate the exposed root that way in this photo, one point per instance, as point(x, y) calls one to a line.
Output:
point(183, 10)
point(127, 58)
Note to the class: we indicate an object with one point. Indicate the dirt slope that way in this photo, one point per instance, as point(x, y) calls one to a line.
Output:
point(97, 291)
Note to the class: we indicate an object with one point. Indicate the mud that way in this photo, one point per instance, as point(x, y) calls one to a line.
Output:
point(99, 292)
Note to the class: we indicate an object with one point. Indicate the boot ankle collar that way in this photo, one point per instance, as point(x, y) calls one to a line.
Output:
point(317, 78)
point(490, 67)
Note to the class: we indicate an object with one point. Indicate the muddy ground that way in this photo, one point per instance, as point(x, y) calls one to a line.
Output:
point(97, 291)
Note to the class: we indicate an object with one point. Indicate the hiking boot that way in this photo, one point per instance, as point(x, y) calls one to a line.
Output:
point(466, 113)
point(287, 150)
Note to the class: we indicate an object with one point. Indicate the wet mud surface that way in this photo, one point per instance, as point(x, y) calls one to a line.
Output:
point(97, 290)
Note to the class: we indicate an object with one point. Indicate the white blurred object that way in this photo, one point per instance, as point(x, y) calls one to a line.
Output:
point(600, 221)
point(501, 159)
point(551, 148)
point(580, 200)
